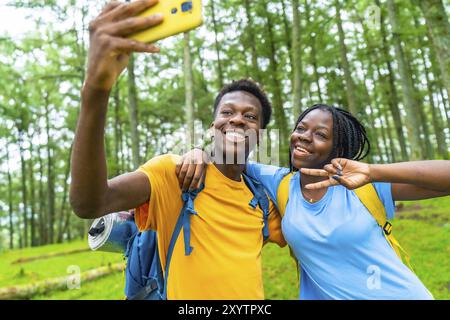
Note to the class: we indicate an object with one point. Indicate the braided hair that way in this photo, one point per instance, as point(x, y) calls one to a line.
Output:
point(349, 135)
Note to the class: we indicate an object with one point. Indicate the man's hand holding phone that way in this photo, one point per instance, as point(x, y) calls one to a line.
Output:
point(109, 47)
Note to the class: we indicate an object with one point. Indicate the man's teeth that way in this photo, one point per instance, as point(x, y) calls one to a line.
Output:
point(234, 134)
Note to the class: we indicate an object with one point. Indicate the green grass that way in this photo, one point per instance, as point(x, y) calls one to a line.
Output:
point(422, 228)
point(279, 274)
point(25, 273)
point(106, 288)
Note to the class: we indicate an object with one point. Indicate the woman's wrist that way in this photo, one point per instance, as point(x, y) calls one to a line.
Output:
point(375, 173)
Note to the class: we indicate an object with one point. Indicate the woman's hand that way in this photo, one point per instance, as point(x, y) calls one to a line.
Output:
point(351, 174)
point(191, 169)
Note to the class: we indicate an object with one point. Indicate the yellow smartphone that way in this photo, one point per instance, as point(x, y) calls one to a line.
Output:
point(179, 16)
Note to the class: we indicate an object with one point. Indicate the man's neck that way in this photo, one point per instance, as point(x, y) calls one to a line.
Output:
point(231, 171)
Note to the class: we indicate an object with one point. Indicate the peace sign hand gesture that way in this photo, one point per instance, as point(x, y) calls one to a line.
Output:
point(351, 174)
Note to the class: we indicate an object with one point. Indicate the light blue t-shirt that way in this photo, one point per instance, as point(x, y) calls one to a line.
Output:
point(342, 251)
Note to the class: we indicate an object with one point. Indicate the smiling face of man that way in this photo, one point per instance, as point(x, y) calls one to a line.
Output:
point(238, 118)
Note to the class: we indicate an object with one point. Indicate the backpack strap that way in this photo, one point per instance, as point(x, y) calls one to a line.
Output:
point(283, 193)
point(282, 200)
point(185, 214)
point(260, 199)
point(145, 291)
point(185, 222)
point(370, 199)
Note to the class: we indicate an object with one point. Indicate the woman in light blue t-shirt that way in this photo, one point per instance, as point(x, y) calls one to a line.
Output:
point(342, 251)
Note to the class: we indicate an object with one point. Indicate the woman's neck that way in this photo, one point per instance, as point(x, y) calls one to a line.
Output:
point(312, 196)
point(306, 179)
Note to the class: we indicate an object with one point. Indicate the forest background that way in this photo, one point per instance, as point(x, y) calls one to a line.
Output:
point(385, 61)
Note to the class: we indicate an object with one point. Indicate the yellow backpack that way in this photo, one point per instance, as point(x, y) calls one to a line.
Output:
point(369, 198)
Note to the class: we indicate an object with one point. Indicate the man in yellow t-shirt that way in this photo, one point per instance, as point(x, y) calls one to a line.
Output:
point(227, 232)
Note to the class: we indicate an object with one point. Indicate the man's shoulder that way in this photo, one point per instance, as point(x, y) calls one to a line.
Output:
point(167, 161)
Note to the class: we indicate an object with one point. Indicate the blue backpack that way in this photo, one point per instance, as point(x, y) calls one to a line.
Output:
point(144, 277)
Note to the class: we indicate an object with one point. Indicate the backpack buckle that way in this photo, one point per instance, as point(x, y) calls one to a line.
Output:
point(253, 203)
point(387, 228)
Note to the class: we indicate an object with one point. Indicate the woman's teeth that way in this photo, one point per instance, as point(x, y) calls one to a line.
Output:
point(302, 150)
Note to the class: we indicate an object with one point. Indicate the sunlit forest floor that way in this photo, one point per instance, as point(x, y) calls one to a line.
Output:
point(423, 229)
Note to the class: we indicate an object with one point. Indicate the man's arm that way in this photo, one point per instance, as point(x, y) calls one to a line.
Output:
point(274, 221)
point(91, 194)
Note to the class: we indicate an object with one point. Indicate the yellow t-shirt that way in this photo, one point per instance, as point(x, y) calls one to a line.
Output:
point(226, 235)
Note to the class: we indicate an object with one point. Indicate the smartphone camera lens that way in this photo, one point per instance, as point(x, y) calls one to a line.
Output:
point(174, 10)
point(186, 6)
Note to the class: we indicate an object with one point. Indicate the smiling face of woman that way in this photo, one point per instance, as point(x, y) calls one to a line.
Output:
point(311, 142)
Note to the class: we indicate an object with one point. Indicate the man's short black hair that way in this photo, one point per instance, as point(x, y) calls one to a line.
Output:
point(252, 87)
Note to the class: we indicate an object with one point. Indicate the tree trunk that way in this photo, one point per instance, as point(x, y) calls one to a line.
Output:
point(393, 100)
point(280, 117)
point(411, 107)
point(439, 28)
point(426, 143)
point(129, 155)
point(122, 136)
point(202, 69)
point(313, 51)
point(388, 126)
point(353, 105)
point(133, 113)
point(10, 200)
point(383, 130)
point(60, 283)
point(50, 255)
point(372, 134)
point(62, 211)
point(32, 196)
point(374, 111)
point(216, 45)
point(439, 84)
point(251, 39)
point(116, 97)
point(43, 221)
point(50, 176)
point(189, 88)
point(296, 60)
point(446, 108)
point(435, 113)
point(148, 129)
point(287, 27)
point(24, 188)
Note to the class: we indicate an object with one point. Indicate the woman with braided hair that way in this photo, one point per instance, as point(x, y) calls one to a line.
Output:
point(341, 249)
